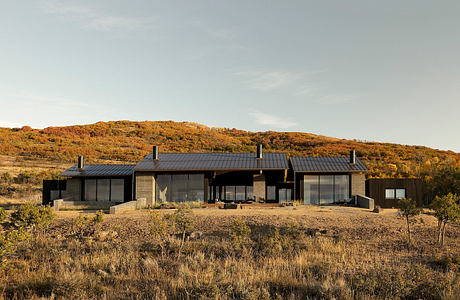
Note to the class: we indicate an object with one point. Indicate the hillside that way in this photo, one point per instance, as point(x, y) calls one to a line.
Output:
point(127, 141)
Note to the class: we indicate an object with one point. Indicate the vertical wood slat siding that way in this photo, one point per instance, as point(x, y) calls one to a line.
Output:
point(375, 188)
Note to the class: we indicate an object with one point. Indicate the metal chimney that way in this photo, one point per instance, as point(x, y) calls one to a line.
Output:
point(352, 157)
point(259, 151)
point(81, 163)
point(155, 152)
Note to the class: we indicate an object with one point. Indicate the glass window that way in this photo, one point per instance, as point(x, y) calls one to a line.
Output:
point(240, 192)
point(400, 193)
point(117, 190)
point(389, 193)
point(230, 193)
point(90, 189)
point(326, 189)
point(341, 188)
point(271, 192)
point(163, 188)
point(249, 192)
point(103, 189)
point(311, 189)
point(178, 188)
point(195, 189)
point(288, 194)
point(282, 195)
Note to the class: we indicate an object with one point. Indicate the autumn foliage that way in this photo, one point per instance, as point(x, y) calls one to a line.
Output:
point(127, 141)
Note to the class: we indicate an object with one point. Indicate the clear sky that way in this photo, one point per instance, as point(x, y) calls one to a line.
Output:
point(370, 70)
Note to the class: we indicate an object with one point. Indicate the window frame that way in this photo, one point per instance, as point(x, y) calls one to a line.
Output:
point(394, 190)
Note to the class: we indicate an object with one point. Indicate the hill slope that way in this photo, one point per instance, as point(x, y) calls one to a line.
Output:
point(130, 141)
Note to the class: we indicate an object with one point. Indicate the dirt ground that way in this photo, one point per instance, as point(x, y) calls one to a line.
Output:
point(354, 224)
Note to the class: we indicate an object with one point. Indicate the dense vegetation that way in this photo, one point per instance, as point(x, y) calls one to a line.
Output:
point(307, 253)
point(127, 141)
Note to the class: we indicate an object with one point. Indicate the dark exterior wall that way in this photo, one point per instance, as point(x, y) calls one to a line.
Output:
point(57, 186)
point(375, 188)
point(75, 187)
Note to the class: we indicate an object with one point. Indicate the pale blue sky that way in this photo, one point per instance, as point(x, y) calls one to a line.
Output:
point(370, 70)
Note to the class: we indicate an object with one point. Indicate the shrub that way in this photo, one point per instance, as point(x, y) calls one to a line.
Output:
point(408, 210)
point(182, 221)
point(86, 226)
point(159, 229)
point(239, 234)
point(446, 210)
point(9, 241)
point(29, 215)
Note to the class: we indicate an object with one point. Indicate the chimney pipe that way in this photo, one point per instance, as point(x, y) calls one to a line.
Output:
point(352, 157)
point(155, 152)
point(259, 151)
point(81, 163)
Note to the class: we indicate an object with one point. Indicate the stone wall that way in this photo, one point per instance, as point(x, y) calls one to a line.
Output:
point(145, 187)
point(259, 187)
point(358, 184)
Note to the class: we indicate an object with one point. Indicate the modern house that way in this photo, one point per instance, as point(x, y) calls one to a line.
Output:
point(328, 180)
point(213, 177)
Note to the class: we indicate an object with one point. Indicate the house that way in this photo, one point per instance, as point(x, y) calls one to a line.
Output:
point(213, 177)
point(98, 183)
point(328, 180)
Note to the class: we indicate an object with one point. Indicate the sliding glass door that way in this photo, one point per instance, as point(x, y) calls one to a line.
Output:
point(326, 189)
point(179, 188)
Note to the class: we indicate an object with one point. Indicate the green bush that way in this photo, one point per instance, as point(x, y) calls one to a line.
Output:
point(29, 215)
point(408, 210)
point(446, 210)
point(9, 241)
point(240, 235)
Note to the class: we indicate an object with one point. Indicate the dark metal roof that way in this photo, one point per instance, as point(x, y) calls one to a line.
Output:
point(99, 170)
point(327, 164)
point(213, 162)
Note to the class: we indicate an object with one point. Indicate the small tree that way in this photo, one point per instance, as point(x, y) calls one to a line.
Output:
point(159, 229)
point(446, 210)
point(184, 221)
point(408, 210)
point(239, 234)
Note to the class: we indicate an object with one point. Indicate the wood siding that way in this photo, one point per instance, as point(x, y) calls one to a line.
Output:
point(375, 189)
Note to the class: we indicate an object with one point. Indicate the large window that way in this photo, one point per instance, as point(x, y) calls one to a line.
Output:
point(179, 187)
point(117, 190)
point(104, 189)
point(284, 195)
point(311, 189)
point(90, 190)
point(271, 192)
point(326, 189)
point(342, 188)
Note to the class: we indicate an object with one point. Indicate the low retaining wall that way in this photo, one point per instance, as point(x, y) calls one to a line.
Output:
point(66, 203)
point(131, 205)
point(365, 202)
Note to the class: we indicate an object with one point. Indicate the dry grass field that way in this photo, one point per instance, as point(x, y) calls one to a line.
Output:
point(301, 253)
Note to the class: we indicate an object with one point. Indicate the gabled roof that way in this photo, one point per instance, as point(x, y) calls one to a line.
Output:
point(99, 170)
point(327, 164)
point(213, 162)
